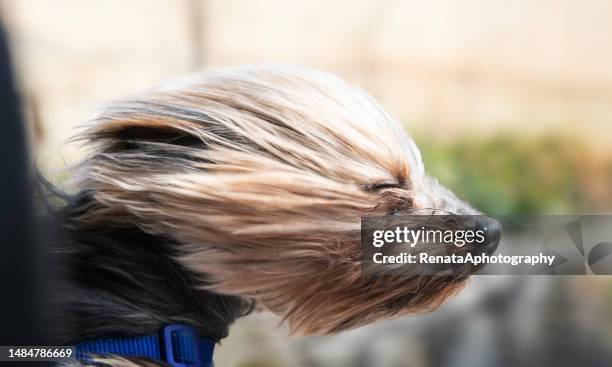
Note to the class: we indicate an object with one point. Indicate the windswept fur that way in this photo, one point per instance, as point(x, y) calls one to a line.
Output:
point(259, 176)
point(236, 189)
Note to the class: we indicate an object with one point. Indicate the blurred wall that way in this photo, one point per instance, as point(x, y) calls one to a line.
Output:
point(443, 67)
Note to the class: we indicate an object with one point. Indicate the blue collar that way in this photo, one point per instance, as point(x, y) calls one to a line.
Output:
point(176, 345)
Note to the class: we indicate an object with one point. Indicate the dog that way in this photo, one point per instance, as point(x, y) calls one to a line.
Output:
point(237, 190)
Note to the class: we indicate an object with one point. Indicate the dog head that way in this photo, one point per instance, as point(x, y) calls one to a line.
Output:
point(262, 175)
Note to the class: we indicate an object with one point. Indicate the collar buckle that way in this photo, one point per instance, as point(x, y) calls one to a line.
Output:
point(180, 346)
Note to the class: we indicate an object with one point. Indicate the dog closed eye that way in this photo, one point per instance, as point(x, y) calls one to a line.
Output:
point(383, 185)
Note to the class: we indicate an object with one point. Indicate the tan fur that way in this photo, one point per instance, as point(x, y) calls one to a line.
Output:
point(268, 204)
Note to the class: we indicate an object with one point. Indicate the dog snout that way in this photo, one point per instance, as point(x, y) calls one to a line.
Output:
point(491, 231)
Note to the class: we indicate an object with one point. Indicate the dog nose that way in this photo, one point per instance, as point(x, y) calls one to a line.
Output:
point(491, 232)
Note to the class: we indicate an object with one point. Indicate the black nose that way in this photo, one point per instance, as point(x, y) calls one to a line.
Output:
point(490, 229)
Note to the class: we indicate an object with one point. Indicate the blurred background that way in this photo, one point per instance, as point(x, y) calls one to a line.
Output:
point(510, 103)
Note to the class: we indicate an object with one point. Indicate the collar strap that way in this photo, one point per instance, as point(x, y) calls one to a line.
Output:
point(177, 345)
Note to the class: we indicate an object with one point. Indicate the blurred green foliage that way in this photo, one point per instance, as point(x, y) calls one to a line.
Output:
point(505, 174)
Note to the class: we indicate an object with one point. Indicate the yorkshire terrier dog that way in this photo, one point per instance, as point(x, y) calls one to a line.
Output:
point(239, 190)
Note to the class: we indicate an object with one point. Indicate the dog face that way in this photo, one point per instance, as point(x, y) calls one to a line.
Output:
point(262, 175)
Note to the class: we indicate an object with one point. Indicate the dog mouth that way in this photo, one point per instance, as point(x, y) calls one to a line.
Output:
point(431, 245)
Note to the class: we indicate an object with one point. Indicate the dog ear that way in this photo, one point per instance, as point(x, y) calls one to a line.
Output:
point(130, 125)
point(130, 137)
